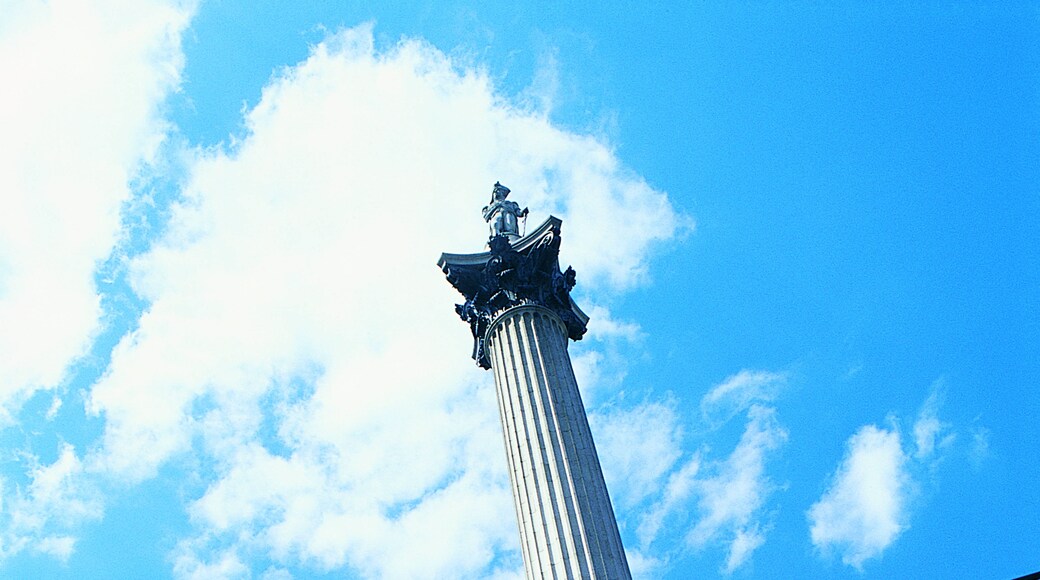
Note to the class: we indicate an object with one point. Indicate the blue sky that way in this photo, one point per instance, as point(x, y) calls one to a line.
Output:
point(806, 234)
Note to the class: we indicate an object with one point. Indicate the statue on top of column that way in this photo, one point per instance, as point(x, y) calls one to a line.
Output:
point(503, 216)
point(513, 271)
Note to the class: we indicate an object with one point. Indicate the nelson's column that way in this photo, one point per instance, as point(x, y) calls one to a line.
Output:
point(519, 308)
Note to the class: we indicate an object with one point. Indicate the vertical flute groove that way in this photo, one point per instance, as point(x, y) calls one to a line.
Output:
point(532, 499)
point(514, 459)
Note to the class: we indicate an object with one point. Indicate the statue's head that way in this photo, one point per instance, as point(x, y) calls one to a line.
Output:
point(499, 193)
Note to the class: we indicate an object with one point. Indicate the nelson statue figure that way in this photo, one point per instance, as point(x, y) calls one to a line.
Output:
point(503, 216)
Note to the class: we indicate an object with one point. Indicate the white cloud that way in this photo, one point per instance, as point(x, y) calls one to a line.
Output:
point(59, 547)
point(979, 450)
point(731, 499)
point(707, 502)
point(601, 360)
point(642, 444)
point(738, 392)
point(225, 565)
point(745, 541)
point(276, 574)
point(865, 508)
point(83, 81)
point(602, 326)
point(52, 411)
point(867, 503)
point(55, 498)
point(642, 565)
point(679, 487)
point(930, 432)
point(302, 341)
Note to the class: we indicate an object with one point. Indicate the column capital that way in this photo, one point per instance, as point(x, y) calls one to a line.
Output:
point(513, 274)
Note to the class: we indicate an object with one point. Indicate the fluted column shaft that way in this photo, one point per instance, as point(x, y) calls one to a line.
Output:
point(567, 525)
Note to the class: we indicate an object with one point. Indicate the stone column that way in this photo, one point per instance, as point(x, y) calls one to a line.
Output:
point(567, 525)
point(521, 315)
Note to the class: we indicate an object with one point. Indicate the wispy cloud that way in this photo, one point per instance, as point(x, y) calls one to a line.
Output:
point(704, 500)
point(55, 500)
point(675, 499)
point(643, 444)
point(731, 499)
point(930, 433)
point(737, 393)
point(979, 450)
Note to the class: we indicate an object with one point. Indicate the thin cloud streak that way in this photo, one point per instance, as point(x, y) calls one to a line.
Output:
point(738, 392)
point(731, 500)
